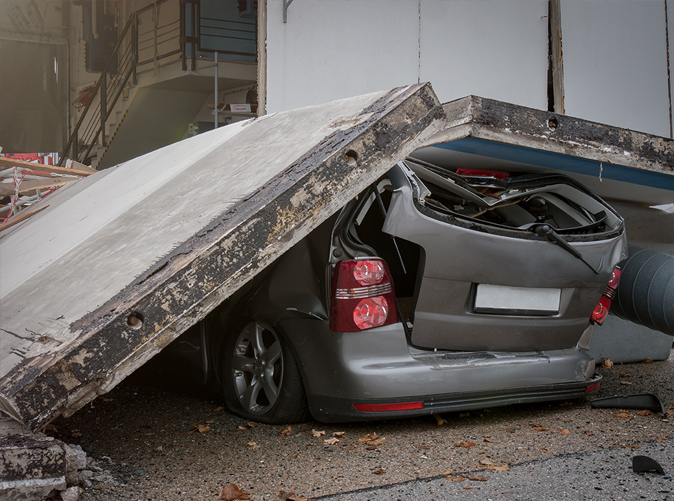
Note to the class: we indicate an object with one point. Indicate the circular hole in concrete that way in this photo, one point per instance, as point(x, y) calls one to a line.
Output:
point(135, 320)
point(553, 123)
point(351, 158)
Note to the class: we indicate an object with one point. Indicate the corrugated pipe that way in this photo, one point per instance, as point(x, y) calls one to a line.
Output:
point(645, 294)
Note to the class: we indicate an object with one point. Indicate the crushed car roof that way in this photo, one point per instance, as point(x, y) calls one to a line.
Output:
point(121, 263)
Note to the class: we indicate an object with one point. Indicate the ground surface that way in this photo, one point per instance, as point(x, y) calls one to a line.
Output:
point(146, 436)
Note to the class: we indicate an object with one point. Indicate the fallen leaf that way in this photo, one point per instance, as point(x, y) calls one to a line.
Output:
point(626, 383)
point(670, 412)
point(499, 468)
point(566, 404)
point(485, 462)
point(368, 437)
point(541, 428)
point(475, 478)
point(625, 374)
point(253, 445)
point(588, 432)
point(106, 399)
point(662, 439)
point(210, 421)
point(290, 496)
point(488, 440)
point(467, 488)
point(565, 431)
point(252, 424)
point(317, 433)
point(465, 444)
point(425, 447)
point(648, 361)
point(645, 412)
point(331, 441)
point(231, 491)
point(380, 471)
point(376, 443)
point(606, 363)
point(219, 409)
point(339, 434)
point(242, 427)
point(201, 428)
point(623, 415)
point(456, 479)
point(545, 449)
point(286, 432)
point(447, 473)
point(439, 419)
point(76, 434)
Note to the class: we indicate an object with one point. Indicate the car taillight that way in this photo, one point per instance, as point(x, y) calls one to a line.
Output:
point(604, 304)
point(362, 296)
point(403, 406)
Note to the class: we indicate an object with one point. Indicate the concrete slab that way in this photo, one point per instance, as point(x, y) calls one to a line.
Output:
point(101, 280)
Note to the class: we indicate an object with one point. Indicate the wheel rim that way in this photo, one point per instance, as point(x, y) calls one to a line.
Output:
point(257, 367)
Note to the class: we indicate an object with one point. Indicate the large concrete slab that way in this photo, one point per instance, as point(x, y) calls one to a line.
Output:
point(123, 262)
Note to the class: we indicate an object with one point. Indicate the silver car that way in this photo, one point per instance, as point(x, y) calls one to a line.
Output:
point(434, 290)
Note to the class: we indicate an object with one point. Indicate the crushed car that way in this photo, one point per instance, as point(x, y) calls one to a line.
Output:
point(433, 290)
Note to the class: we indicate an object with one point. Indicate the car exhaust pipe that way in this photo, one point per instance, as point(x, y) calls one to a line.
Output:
point(645, 294)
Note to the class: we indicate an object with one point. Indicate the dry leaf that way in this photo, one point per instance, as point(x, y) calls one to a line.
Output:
point(425, 447)
point(625, 383)
point(439, 419)
point(376, 443)
point(606, 363)
point(379, 471)
point(565, 431)
point(541, 428)
point(488, 440)
point(290, 496)
point(475, 478)
point(623, 415)
point(447, 473)
point(317, 434)
point(645, 412)
point(106, 399)
point(231, 491)
point(465, 444)
point(252, 424)
point(219, 409)
point(456, 479)
point(662, 439)
point(210, 421)
point(286, 432)
point(368, 437)
point(499, 468)
point(625, 374)
point(331, 441)
point(242, 427)
point(648, 361)
point(588, 432)
point(670, 412)
point(201, 428)
point(253, 445)
point(339, 434)
point(485, 462)
point(545, 449)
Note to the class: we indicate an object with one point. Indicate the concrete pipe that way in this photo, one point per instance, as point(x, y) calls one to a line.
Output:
point(645, 294)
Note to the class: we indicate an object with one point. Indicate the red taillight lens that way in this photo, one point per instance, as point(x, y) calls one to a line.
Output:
point(592, 387)
point(362, 296)
point(405, 406)
point(604, 305)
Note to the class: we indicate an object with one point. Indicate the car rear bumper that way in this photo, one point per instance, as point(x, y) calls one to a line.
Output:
point(377, 367)
point(331, 409)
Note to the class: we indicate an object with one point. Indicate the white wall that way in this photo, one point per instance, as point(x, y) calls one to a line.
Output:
point(615, 63)
point(329, 50)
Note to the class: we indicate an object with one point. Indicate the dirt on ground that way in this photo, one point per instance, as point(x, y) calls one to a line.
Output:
point(162, 438)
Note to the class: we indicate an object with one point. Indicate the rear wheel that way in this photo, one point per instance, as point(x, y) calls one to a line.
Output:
point(260, 378)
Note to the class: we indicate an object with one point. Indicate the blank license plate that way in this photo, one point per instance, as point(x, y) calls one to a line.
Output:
point(502, 299)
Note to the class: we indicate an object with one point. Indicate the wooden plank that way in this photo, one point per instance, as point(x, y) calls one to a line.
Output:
point(28, 186)
point(6, 162)
point(21, 216)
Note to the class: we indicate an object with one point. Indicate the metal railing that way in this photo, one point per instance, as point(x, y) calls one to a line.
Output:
point(145, 41)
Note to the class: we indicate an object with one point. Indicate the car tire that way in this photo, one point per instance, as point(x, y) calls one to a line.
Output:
point(259, 376)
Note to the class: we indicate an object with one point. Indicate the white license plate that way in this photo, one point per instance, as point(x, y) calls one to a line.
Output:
point(501, 298)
